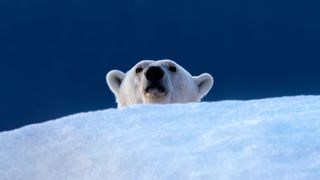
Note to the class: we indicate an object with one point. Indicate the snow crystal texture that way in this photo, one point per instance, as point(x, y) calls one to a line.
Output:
point(276, 138)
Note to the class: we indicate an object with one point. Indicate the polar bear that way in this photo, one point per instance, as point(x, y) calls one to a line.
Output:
point(162, 81)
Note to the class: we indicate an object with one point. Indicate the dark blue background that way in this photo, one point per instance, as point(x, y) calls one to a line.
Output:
point(54, 54)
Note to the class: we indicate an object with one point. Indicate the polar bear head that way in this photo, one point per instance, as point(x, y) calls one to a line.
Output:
point(162, 81)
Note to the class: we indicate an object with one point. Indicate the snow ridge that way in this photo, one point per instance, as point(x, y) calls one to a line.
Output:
point(275, 138)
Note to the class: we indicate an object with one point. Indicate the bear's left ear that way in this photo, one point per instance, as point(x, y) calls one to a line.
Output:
point(204, 82)
point(114, 79)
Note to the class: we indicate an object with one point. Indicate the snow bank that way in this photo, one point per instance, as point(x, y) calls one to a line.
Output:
point(276, 138)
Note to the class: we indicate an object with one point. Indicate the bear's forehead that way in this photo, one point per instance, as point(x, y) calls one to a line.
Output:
point(155, 63)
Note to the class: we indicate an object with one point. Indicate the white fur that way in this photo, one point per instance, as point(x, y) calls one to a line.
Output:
point(181, 86)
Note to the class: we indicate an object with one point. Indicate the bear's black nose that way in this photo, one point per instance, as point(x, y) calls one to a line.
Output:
point(154, 73)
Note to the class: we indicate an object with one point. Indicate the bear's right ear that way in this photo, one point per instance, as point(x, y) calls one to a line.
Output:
point(204, 82)
point(114, 79)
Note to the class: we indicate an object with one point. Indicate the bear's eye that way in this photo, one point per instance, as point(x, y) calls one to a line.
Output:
point(172, 69)
point(139, 69)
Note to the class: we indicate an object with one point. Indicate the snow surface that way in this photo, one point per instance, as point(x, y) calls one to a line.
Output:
point(277, 138)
